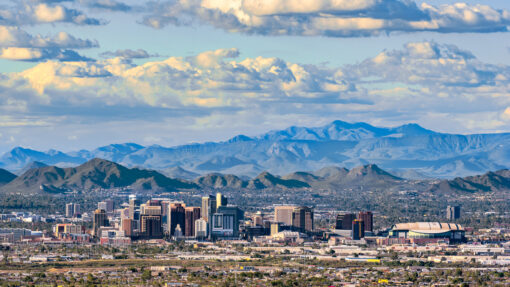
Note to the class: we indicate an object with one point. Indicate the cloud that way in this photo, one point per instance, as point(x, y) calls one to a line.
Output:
point(32, 13)
point(16, 44)
point(439, 85)
point(108, 5)
point(129, 54)
point(16, 37)
point(37, 55)
point(102, 5)
point(333, 18)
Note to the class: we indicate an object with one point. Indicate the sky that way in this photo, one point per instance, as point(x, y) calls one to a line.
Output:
point(78, 74)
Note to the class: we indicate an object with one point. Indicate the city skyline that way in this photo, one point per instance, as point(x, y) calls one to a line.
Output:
point(90, 73)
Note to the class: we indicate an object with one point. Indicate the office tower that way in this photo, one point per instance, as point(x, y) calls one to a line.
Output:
point(77, 210)
point(102, 206)
point(220, 200)
point(146, 209)
point(225, 222)
point(127, 225)
point(344, 221)
point(257, 219)
point(208, 206)
point(191, 215)
point(358, 229)
point(367, 218)
point(100, 219)
point(275, 227)
point(302, 218)
point(164, 213)
point(283, 214)
point(299, 217)
point(109, 205)
point(201, 230)
point(124, 213)
point(452, 212)
point(176, 217)
point(69, 210)
point(134, 203)
point(150, 226)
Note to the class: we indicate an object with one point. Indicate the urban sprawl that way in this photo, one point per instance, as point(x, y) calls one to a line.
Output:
point(162, 242)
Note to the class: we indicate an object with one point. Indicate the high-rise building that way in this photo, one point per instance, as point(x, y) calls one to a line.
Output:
point(302, 218)
point(176, 216)
point(344, 221)
point(367, 218)
point(69, 210)
point(257, 219)
point(100, 219)
point(77, 210)
point(220, 200)
point(299, 217)
point(150, 226)
point(225, 222)
point(134, 204)
point(358, 229)
point(191, 215)
point(208, 206)
point(452, 212)
point(150, 210)
point(102, 206)
point(128, 226)
point(201, 228)
point(109, 205)
point(283, 214)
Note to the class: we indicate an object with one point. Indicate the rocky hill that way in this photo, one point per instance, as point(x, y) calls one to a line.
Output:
point(94, 174)
point(488, 182)
point(6, 177)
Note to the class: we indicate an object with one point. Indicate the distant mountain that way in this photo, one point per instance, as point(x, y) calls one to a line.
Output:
point(216, 180)
point(6, 177)
point(408, 147)
point(335, 177)
point(267, 180)
point(31, 165)
point(19, 157)
point(94, 174)
point(488, 182)
point(179, 172)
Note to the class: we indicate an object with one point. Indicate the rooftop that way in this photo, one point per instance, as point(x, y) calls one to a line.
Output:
point(428, 226)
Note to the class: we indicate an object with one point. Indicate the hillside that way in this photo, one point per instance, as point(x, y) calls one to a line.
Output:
point(488, 182)
point(217, 180)
point(94, 174)
point(6, 177)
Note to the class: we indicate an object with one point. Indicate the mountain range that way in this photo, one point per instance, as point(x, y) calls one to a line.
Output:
point(409, 151)
point(94, 174)
point(99, 174)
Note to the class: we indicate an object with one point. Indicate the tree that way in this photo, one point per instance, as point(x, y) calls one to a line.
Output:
point(146, 275)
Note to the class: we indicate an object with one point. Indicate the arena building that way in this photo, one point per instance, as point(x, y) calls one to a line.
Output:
point(428, 230)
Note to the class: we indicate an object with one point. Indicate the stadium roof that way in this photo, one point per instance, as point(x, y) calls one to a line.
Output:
point(427, 227)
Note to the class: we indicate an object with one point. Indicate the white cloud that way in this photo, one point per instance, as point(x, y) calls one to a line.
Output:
point(31, 13)
point(440, 86)
point(335, 18)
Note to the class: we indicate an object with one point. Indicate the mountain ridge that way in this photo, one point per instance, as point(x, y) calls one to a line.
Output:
point(408, 149)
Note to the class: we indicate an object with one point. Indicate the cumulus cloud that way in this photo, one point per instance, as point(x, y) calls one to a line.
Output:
point(16, 37)
point(16, 44)
point(334, 18)
point(32, 13)
point(129, 54)
point(427, 82)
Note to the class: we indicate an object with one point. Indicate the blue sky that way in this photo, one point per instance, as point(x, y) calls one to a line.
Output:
point(84, 73)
